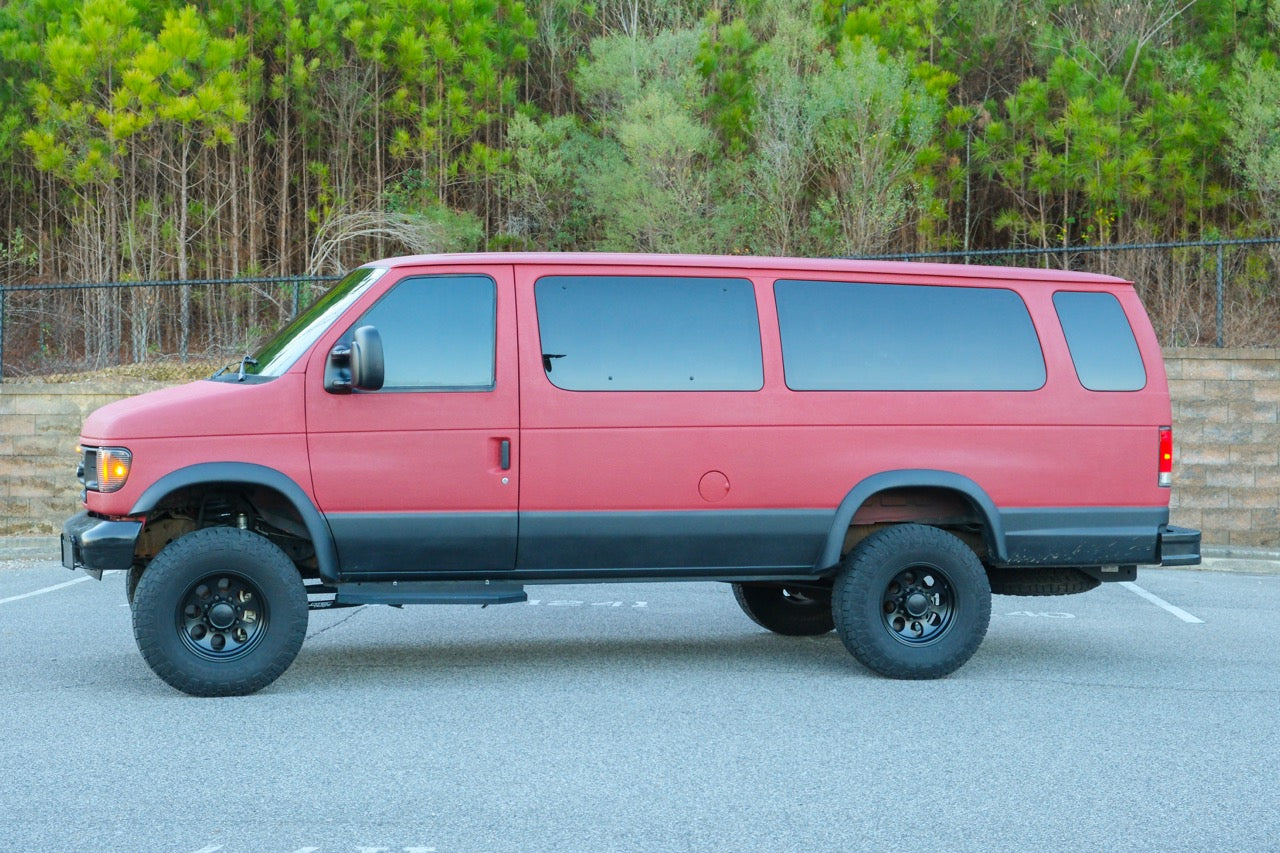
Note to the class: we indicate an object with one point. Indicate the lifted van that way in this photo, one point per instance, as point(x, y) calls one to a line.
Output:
point(868, 447)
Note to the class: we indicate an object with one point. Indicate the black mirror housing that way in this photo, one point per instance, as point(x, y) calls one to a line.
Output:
point(367, 367)
point(357, 366)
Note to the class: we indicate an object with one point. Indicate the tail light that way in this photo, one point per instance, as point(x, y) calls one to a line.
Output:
point(1165, 478)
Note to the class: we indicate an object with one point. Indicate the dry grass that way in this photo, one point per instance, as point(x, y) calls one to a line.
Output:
point(168, 372)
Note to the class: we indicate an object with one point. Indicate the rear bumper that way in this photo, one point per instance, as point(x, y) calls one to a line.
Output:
point(97, 544)
point(1179, 546)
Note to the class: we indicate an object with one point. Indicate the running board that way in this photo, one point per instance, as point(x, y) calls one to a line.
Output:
point(430, 592)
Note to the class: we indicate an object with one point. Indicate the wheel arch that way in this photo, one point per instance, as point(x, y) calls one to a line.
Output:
point(221, 474)
point(915, 478)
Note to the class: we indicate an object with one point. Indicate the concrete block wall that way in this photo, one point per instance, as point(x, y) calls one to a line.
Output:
point(1226, 434)
point(1226, 416)
point(39, 429)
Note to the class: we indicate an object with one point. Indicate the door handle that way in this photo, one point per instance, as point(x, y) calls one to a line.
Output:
point(504, 454)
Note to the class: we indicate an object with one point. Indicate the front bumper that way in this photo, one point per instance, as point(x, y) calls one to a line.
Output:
point(97, 544)
point(1179, 546)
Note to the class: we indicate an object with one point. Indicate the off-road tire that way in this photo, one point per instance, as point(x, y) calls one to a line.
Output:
point(786, 610)
point(131, 577)
point(1040, 581)
point(912, 601)
point(220, 612)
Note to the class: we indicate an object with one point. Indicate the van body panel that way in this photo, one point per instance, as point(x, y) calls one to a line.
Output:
point(201, 422)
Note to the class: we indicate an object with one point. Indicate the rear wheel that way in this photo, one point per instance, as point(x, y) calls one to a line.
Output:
point(912, 601)
point(220, 612)
point(797, 611)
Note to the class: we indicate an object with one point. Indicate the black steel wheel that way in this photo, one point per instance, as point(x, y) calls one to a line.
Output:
point(919, 605)
point(220, 612)
point(912, 601)
point(790, 609)
point(222, 616)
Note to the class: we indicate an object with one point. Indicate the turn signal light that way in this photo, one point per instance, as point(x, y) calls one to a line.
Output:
point(113, 468)
point(1165, 478)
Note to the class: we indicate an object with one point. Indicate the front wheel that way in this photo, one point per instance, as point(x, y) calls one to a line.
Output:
point(220, 612)
point(912, 601)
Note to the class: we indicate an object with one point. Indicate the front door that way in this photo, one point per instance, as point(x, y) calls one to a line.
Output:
point(420, 478)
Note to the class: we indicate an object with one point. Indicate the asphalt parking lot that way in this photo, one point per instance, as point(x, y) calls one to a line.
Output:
point(651, 717)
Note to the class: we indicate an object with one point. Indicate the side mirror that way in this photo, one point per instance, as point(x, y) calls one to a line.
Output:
point(366, 359)
point(358, 366)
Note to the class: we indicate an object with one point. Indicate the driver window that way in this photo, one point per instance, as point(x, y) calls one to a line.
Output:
point(438, 333)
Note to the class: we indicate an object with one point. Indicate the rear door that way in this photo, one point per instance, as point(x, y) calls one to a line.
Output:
point(420, 478)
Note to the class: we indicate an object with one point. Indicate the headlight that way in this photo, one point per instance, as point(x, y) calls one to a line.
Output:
point(106, 468)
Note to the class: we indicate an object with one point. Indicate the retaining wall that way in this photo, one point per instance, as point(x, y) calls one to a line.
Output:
point(1226, 430)
point(1226, 480)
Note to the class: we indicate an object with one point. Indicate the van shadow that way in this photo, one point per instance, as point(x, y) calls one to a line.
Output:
point(543, 658)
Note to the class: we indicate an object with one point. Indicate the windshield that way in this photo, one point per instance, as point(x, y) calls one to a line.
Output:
point(288, 345)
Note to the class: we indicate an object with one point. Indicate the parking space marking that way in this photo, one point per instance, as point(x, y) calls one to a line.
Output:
point(1160, 602)
point(56, 586)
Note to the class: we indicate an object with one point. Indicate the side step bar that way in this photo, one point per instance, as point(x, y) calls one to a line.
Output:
point(430, 592)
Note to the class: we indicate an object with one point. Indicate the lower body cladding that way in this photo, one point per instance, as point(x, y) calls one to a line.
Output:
point(711, 544)
point(223, 610)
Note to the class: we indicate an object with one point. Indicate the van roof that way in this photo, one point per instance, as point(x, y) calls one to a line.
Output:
point(843, 265)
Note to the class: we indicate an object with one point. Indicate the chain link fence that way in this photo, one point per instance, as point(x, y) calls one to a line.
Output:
point(52, 329)
point(1209, 293)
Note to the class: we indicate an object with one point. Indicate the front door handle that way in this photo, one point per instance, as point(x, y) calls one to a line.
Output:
point(504, 454)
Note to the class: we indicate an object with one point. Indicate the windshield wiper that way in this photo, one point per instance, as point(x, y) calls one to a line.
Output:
point(247, 361)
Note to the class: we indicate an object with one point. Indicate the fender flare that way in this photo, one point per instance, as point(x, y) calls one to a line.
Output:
point(250, 474)
point(914, 478)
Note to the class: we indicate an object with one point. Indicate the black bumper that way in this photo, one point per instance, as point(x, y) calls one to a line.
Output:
point(98, 545)
point(1179, 546)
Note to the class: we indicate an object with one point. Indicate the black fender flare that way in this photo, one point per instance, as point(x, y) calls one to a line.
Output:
point(250, 474)
point(913, 478)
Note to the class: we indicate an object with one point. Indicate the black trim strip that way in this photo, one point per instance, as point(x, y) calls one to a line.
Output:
point(425, 544)
point(691, 541)
point(1083, 536)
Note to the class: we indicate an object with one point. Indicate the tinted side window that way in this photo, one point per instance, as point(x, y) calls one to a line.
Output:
point(1102, 345)
point(842, 336)
point(642, 333)
point(438, 332)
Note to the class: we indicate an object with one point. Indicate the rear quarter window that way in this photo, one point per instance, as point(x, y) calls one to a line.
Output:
point(1103, 349)
point(846, 336)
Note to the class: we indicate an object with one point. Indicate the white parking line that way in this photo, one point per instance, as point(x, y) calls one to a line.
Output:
point(80, 579)
point(1161, 603)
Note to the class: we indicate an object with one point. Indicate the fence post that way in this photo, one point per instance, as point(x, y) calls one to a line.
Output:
point(1218, 301)
point(2, 293)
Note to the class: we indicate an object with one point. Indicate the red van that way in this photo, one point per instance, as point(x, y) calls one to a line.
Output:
point(872, 447)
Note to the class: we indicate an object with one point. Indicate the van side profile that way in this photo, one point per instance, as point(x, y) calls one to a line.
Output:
point(869, 447)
